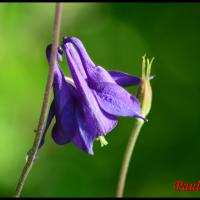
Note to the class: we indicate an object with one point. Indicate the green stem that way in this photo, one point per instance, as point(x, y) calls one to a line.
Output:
point(44, 109)
point(127, 156)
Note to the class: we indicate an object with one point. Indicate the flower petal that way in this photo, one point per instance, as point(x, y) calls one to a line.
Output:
point(97, 75)
point(64, 104)
point(86, 132)
point(94, 73)
point(59, 136)
point(48, 53)
point(104, 123)
point(81, 50)
point(66, 119)
point(49, 119)
point(124, 79)
point(117, 101)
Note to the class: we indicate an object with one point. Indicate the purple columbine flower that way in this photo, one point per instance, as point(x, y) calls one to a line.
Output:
point(103, 86)
point(88, 108)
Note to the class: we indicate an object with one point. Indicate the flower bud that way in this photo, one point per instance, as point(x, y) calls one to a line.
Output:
point(145, 91)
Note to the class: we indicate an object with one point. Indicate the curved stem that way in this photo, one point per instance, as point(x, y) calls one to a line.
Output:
point(127, 156)
point(44, 109)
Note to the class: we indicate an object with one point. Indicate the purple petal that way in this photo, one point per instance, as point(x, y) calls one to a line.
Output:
point(81, 50)
point(104, 123)
point(59, 136)
point(86, 132)
point(49, 119)
point(124, 79)
point(48, 53)
point(94, 73)
point(117, 101)
point(97, 75)
point(64, 105)
point(58, 74)
point(66, 119)
point(64, 92)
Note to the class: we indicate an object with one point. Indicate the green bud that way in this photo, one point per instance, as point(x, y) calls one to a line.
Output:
point(145, 91)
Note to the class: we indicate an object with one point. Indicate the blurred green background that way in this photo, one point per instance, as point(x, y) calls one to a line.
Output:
point(116, 36)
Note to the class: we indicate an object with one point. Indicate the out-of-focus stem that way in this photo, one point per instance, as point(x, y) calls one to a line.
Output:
point(127, 156)
point(44, 109)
